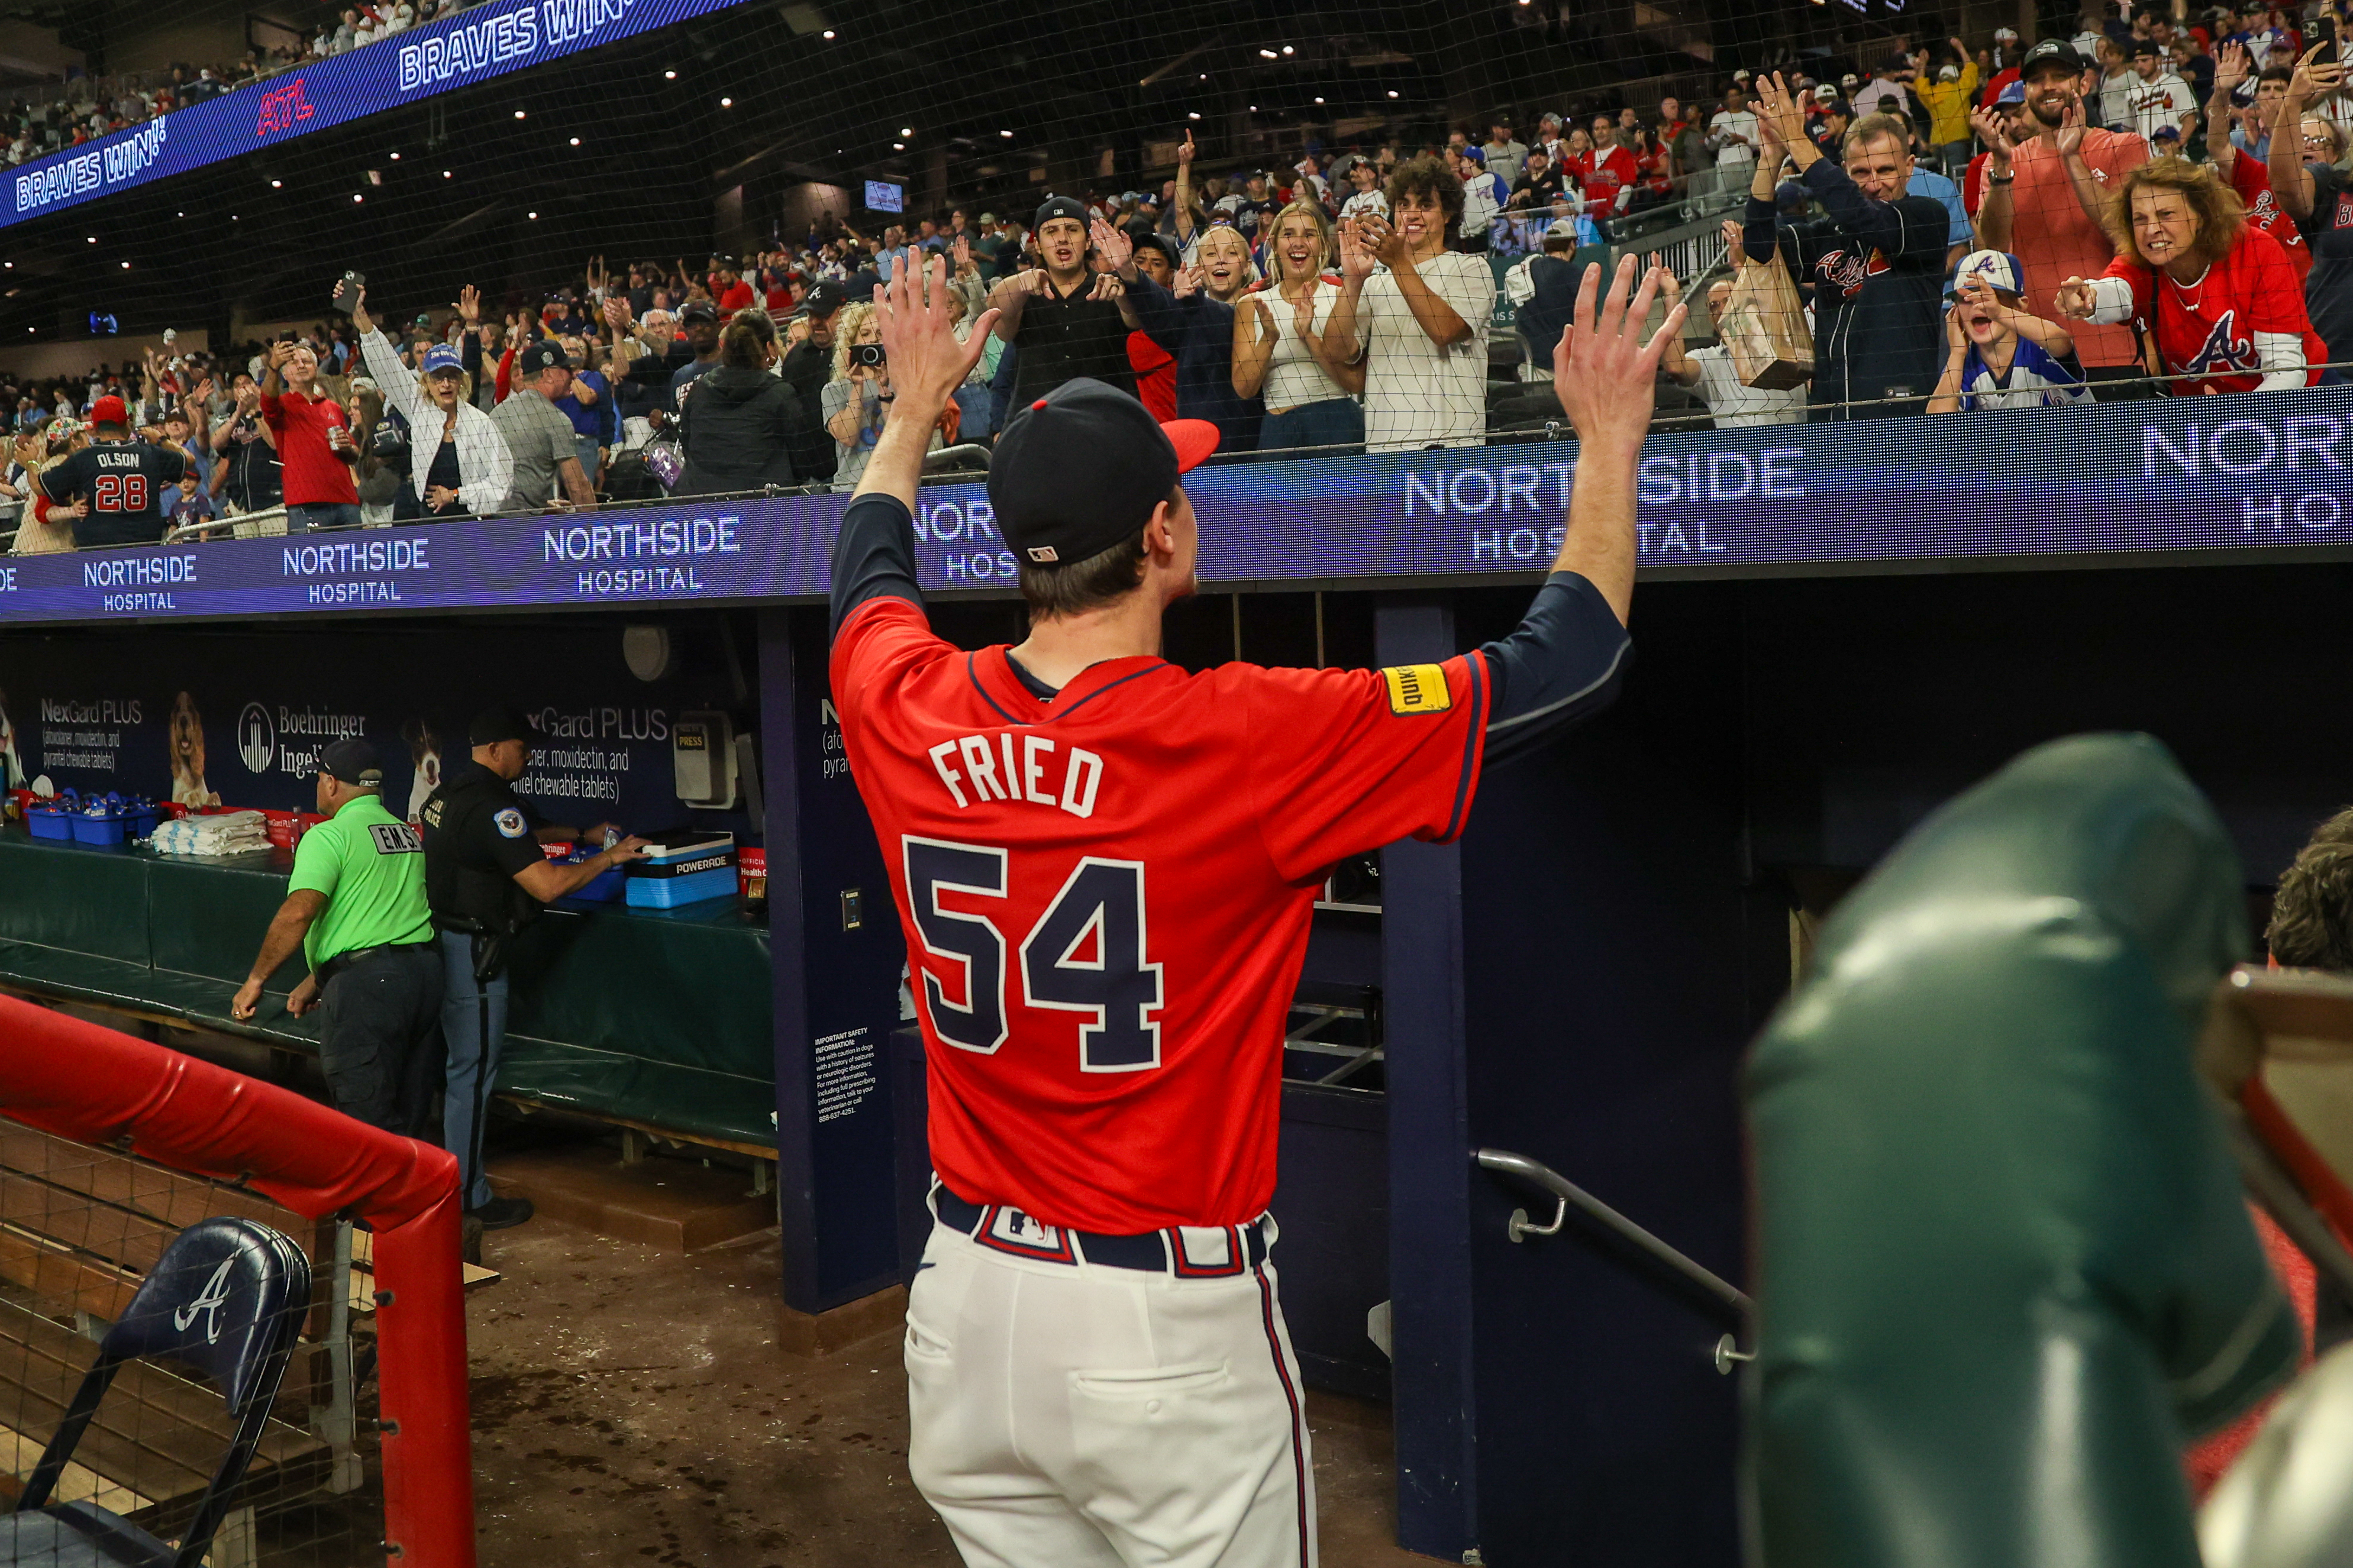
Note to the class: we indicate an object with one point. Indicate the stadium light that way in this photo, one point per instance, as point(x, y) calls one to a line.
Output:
point(1288, 49)
point(357, 197)
point(1193, 114)
point(445, 175)
point(395, 157)
point(533, 217)
point(276, 185)
point(670, 76)
point(1007, 135)
point(726, 103)
point(93, 239)
point(126, 266)
point(907, 131)
point(1319, 101)
point(898, 146)
point(1392, 92)
point(518, 114)
point(576, 140)
point(1268, 54)
point(828, 32)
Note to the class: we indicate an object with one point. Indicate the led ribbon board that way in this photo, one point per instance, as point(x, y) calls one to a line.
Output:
point(2242, 474)
point(409, 67)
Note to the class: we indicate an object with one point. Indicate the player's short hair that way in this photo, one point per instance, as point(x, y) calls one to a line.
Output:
point(2220, 213)
point(1107, 575)
point(2312, 913)
point(1873, 128)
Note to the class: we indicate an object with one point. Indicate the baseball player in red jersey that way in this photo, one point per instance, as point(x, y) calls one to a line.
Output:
point(1106, 868)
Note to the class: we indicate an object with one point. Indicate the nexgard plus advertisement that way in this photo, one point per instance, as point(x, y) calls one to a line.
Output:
point(238, 718)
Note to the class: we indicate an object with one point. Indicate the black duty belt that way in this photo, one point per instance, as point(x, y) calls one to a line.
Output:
point(1189, 1252)
point(359, 955)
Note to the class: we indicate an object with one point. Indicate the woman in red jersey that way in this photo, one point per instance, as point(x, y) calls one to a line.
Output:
point(2217, 302)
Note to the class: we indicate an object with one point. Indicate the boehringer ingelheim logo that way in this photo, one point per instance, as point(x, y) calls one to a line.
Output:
point(257, 740)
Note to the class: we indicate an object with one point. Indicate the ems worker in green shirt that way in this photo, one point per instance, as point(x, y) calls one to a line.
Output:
point(355, 905)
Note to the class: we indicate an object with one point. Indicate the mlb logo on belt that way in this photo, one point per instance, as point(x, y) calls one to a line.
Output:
point(1024, 1235)
point(1418, 688)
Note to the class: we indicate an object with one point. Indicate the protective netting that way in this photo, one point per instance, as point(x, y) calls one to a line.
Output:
point(1327, 230)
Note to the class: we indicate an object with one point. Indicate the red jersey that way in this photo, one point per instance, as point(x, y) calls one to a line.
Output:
point(1156, 375)
point(1605, 172)
point(1973, 184)
point(2252, 181)
point(314, 475)
point(2208, 329)
point(1106, 896)
point(737, 297)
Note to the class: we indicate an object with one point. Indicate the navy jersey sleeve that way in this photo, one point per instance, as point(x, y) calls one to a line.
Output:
point(1158, 313)
point(69, 479)
point(1563, 665)
point(166, 465)
point(874, 554)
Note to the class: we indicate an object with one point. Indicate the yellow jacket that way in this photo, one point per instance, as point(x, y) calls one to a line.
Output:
point(1948, 105)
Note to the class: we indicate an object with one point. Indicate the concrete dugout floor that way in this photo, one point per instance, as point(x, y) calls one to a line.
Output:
point(631, 1408)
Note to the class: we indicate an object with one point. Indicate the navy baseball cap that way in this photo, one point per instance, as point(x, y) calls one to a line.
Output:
point(698, 310)
point(544, 355)
point(441, 356)
point(1082, 468)
point(824, 298)
point(2051, 51)
point(352, 760)
point(1164, 245)
point(1059, 206)
point(492, 725)
point(2015, 92)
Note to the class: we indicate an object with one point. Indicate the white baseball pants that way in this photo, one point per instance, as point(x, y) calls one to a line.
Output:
point(1078, 1416)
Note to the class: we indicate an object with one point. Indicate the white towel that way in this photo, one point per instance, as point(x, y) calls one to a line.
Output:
point(227, 833)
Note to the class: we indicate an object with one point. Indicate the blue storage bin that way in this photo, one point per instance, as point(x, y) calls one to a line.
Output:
point(103, 830)
point(140, 821)
point(669, 892)
point(601, 889)
point(49, 822)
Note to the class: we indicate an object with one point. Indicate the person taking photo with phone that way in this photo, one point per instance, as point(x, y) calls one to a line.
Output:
point(315, 449)
point(458, 465)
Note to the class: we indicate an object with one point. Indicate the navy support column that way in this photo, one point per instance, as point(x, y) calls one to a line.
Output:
point(834, 942)
point(1429, 1170)
point(1575, 983)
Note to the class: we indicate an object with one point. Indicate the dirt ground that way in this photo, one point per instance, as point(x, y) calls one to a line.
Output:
point(631, 1408)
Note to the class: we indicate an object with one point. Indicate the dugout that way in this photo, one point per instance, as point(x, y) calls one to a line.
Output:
point(1573, 982)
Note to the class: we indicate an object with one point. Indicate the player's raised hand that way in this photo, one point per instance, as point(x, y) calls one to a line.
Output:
point(927, 363)
point(1609, 394)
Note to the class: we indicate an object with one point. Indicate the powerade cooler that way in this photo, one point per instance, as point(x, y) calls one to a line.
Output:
point(686, 872)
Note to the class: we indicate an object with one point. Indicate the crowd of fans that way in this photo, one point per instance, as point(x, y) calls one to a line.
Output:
point(86, 108)
point(2003, 226)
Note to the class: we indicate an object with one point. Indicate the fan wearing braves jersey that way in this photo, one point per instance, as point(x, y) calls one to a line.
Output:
point(2223, 308)
point(124, 481)
point(1106, 868)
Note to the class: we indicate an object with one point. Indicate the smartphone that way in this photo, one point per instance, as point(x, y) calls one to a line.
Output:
point(868, 354)
point(347, 288)
point(2324, 31)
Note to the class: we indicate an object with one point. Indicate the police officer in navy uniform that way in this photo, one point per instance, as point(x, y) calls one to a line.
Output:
point(486, 879)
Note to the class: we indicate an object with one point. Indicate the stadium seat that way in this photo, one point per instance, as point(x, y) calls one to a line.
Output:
point(226, 1300)
point(2004, 1267)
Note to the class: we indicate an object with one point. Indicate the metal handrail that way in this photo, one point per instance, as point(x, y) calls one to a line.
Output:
point(1566, 1194)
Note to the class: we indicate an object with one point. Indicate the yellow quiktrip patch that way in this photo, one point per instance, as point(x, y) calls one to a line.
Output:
point(1418, 688)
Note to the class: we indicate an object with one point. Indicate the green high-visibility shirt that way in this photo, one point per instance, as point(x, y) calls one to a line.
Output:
point(371, 866)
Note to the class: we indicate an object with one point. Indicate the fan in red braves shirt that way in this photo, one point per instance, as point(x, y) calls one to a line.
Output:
point(2245, 172)
point(1610, 172)
point(2221, 295)
point(727, 287)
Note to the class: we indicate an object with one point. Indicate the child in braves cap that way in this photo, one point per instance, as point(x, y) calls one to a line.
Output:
point(1999, 354)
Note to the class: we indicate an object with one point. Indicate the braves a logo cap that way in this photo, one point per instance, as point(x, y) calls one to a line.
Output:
point(1081, 469)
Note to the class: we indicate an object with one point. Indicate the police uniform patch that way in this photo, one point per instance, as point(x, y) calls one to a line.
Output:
point(1418, 688)
point(511, 822)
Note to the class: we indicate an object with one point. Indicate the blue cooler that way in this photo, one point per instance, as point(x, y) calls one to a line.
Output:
point(689, 869)
point(601, 889)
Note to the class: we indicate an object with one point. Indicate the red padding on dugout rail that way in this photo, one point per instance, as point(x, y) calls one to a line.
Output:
point(82, 1081)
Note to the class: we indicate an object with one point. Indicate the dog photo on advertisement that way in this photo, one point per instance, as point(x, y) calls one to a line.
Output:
point(425, 756)
point(8, 757)
point(188, 744)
